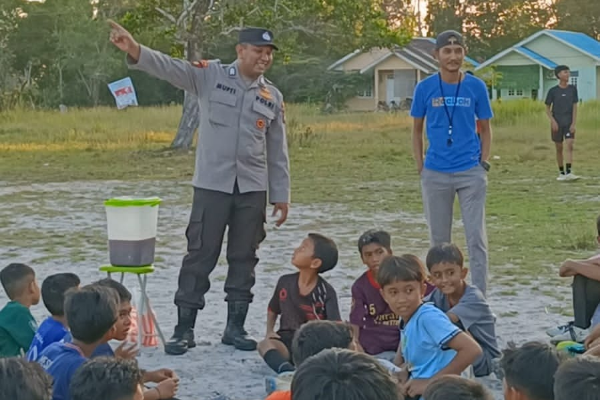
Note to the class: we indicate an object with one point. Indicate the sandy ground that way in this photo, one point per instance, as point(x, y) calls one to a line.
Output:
point(66, 231)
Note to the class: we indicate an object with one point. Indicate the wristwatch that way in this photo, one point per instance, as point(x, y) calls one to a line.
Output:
point(486, 165)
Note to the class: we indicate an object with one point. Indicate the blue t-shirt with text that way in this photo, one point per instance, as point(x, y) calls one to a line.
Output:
point(61, 360)
point(50, 331)
point(471, 102)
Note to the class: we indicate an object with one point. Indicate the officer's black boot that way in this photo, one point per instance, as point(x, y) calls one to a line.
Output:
point(183, 338)
point(235, 334)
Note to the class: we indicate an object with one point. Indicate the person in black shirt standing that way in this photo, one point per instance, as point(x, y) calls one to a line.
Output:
point(561, 108)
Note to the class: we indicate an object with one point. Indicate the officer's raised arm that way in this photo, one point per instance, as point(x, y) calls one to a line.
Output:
point(278, 162)
point(179, 73)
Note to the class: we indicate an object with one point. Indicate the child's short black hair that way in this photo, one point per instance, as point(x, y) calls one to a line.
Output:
point(444, 253)
point(106, 378)
point(578, 378)
point(376, 236)
point(122, 291)
point(23, 380)
point(531, 368)
point(15, 277)
point(451, 387)
point(91, 312)
point(560, 68)
point(325, 250)
point(54, 288)
point(315, 336)
point(406, 268)
point(342, 374)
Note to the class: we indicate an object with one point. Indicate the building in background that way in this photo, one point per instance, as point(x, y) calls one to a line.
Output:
point(527, 68)
point(394, 73)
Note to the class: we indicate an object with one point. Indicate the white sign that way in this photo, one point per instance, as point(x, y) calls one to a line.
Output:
point(124, 93)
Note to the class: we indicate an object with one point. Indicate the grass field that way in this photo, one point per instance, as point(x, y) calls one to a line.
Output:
point(362, 161)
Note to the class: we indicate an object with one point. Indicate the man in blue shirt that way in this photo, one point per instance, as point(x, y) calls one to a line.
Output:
point(456, 161)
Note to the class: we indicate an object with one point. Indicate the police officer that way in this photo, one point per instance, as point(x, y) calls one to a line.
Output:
point(242, 153)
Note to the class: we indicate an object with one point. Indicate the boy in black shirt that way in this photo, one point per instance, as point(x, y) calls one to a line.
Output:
point(299, 298)
point(561, 108)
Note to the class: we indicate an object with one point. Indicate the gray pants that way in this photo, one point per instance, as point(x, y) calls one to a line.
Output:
point(439, 190)
point(586, 298)
point(245, 215)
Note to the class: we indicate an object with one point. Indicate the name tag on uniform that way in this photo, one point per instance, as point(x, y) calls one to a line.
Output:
point(226, 88)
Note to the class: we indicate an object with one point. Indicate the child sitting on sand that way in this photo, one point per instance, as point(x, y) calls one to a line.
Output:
point(108, 379)
point(586, 297)
point(343, 374)
point(54, 328)
point(23, 380)
point(529, 371)
point(298, 298)
point(312, 338)
point(166, 379)
point(578, 378)
point(91, 315)
point(17, 325)
point(431, 345)
point(452, 387)
point(375, 324)
point(464, 304)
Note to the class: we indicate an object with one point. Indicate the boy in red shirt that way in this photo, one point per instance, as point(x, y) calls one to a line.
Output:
point(375, 324)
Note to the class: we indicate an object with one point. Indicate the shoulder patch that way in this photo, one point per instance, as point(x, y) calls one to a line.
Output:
point(200, 64)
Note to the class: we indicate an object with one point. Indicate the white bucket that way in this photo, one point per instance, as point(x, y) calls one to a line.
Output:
point(132, 224)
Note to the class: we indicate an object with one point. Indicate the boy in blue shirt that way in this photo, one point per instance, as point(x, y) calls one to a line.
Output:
point(457, 161)
point(431, 345)
point(54, 328)
point(92, 312)
point(464, 304)
point(17, 325)
point(121, 329)
point(167, 380)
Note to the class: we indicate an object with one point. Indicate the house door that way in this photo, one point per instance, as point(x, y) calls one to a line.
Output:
point(389, 90)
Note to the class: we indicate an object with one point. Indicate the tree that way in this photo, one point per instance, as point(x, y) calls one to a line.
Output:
point(65, 50)
point(489, 26)
point(579, 16)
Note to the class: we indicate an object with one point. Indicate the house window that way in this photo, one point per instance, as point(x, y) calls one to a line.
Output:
point(519, 92)
point(574, 78)
point(511, 92)
point(366, 92)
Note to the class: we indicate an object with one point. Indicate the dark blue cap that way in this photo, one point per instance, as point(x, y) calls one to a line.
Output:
point(257, 37)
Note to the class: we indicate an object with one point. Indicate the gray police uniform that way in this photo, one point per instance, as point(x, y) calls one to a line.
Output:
point(241, 154)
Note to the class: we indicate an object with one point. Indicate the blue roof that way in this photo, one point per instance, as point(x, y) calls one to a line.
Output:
point(539, 58)
point(579, 40)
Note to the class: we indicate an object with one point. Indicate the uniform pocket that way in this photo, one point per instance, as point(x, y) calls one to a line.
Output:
point(222, 107)
point(264, 116)
point(193, 233)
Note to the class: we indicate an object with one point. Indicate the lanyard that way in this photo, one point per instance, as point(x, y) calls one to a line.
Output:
point(448, 114)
